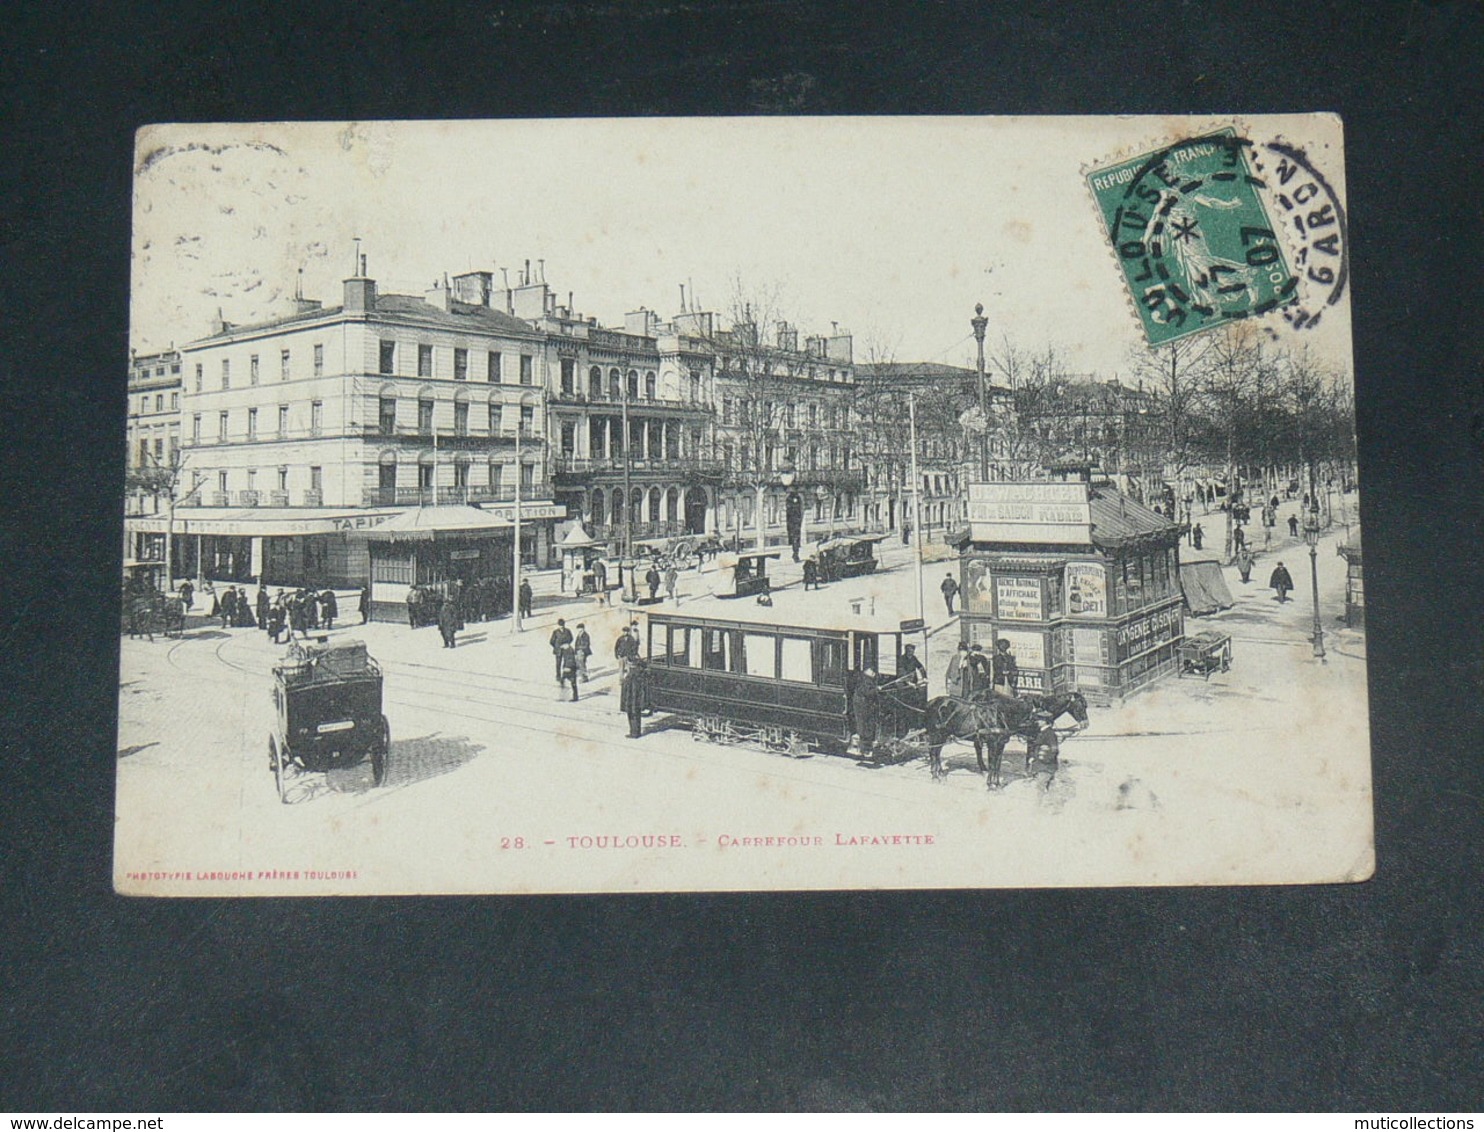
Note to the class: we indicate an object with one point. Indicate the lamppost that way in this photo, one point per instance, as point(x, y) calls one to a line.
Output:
point(1311, 536)
point(980, 323)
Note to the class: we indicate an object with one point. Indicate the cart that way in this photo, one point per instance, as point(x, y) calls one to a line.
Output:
point(328, 704)
point(750, 576)
point(1205, 653)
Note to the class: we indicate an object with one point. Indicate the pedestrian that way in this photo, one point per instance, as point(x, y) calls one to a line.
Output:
point(979, 675)
point(560, 638)
point(625, 650)
point(1281, 581)
point(329, 608)
point(949, 587)
point(956, 677)
point(229, 607)
point(1197, 535)
point(910, 670)
point(1239, 537)
point(568, 667)
point(1006, 673)
point(448, 622)
point(811, 573)
point(652, 580)
point(907, 534)
point(1293, 526)
point(600, 579)
point(187, 593)
point(633, 695)
point(262, 604)
point(1244, 565)
point(526, 597)
point(414, 599)
point(672, 579)
point(210, 591)
point(277, 616)
point(865, 710)
point(582, 645)
point(364, 604)
point(298, 617)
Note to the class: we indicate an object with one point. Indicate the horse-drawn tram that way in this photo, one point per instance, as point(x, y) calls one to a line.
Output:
point(786, 688)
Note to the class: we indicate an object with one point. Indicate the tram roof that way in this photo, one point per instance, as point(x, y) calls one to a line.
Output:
point(767, 617)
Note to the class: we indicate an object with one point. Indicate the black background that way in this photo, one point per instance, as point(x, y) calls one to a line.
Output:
point(1357, 997)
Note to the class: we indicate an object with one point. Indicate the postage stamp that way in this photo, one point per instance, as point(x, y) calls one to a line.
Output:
point(1193, 236)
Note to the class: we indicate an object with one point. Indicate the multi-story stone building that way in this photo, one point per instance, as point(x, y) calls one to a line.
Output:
point(153, 445)
point(303, 431)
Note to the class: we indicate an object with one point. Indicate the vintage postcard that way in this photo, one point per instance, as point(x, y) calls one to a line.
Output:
point(741, 504)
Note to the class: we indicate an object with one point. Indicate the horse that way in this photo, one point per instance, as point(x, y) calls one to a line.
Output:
point(1031, 716)
point(974, 721)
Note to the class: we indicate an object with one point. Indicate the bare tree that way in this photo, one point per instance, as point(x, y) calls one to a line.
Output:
point(162, 480)
point(1174, 373)
point(1228, 388)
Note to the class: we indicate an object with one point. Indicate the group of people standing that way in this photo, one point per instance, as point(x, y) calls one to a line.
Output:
point(570, 651)
point(298, 612)
point(971, 670)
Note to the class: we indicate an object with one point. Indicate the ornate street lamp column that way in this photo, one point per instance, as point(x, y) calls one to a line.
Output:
point(980, 323)
point(1311, 536)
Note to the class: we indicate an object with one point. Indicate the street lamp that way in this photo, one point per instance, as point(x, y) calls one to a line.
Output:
point(1311, 536)
point(979, 323)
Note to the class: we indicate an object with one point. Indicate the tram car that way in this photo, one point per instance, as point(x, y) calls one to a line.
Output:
point(785, 688)
point(750, 574)
point(848, 556)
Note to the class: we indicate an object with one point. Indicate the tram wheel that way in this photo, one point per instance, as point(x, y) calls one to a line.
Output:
point(275, 759)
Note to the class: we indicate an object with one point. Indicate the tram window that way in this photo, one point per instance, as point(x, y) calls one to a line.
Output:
point(758, 655)
point(865, 652)
point(829, 662)
point(890, 650)
point(795, 660)
point(693, 653)
point(714, 649)
point(679, 644)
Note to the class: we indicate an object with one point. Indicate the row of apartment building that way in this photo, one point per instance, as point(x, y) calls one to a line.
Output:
point(294, 443)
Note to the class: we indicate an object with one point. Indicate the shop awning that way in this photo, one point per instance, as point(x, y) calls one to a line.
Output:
point(254, 521)
point(576, 539)
point(458, 519)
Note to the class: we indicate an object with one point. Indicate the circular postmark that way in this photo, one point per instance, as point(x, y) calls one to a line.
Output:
point(1313, 217)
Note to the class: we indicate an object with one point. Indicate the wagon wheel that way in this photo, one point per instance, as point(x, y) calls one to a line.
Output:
point(276, 761)
point(379, 752)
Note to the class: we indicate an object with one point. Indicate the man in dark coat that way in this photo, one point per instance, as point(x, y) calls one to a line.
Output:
point(525, 598)
point(187, 593)
point(652, 580)
point(1006, 671)
point(633, 695)
point(365, 604)
point(1293, 526)
point(582, 645)
point(1197, 536)
point(448, 622)
point(567, 666)
point(950, 591)
point(1282, 581)
point(1244, 565)
point(979, 670)
point(626, 648)
point(910, 670)
point(811, 573)
point(865, 710)
point(262, 601)
point(329, 608)
point(600, 578)
point(560, 638)
point(229, 607)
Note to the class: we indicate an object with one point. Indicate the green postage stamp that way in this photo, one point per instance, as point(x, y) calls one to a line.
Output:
point(1191, 231)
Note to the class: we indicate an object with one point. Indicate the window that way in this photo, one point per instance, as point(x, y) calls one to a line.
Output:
point(649, 386)
point(494, 418)
point(460, 364)
point(424, 361)
point(726, 410)
point(252, 424)
point(388, 416)
point(716, 648)
point(425, 417)
point(283, 479)
point(316, 478)
point(159, 402)
point(252, 479)
point(461, 418)
point(221, 426)
point(174, 367)
point(493, 373)
point(569, 438)
point(283, 365)
point(252, 370)
point(424, 476)
point(143, 453)
point(200, 376)
point(527, 368)
point(496, 474)
point(226, 373)
point(221, 482)
point(796, 661)
point(283, 420)
point(569, 377)
point(319, 360)
point(527, 419)
point(829, 663)
point(758, 656)
point(196, 428)
point(316, 417)
point(695, 385)
point(527, 476)
point(174, 402)
point(461, 473)
point(388, 357)
point(633, 385)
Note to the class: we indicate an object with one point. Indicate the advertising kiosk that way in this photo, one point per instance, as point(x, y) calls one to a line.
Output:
point(1079, 579)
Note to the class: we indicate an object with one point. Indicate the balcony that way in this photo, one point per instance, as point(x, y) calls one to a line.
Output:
point(579, 468)
point(221, 499)
point(247, 499)
point(312, 498)
point(278, 498)
point(473, 438)
point(639, 403)
point(533, 492)
point(612, 532)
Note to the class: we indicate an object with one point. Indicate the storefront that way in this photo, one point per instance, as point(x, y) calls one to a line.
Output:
point(431, 548)
point(1080, 580)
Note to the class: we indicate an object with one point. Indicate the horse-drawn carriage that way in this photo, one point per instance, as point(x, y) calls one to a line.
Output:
point(839, 688)
point(328, 705)
point(750, 574)
point(146, 610)
point(847, 557)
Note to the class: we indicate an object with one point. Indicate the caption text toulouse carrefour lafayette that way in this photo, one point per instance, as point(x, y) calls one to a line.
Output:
point(732, 841)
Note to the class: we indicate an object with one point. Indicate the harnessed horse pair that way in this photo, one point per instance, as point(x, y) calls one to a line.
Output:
point(989, 720)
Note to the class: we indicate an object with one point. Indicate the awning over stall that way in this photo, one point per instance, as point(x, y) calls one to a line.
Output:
point(1204, 587)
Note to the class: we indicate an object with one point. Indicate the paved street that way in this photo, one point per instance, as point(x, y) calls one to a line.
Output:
point(497, 783)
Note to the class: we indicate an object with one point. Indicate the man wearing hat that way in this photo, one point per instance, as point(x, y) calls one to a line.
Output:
point(910, 669)
point(957, 676)
point(1006, 671)
point(979, 675)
